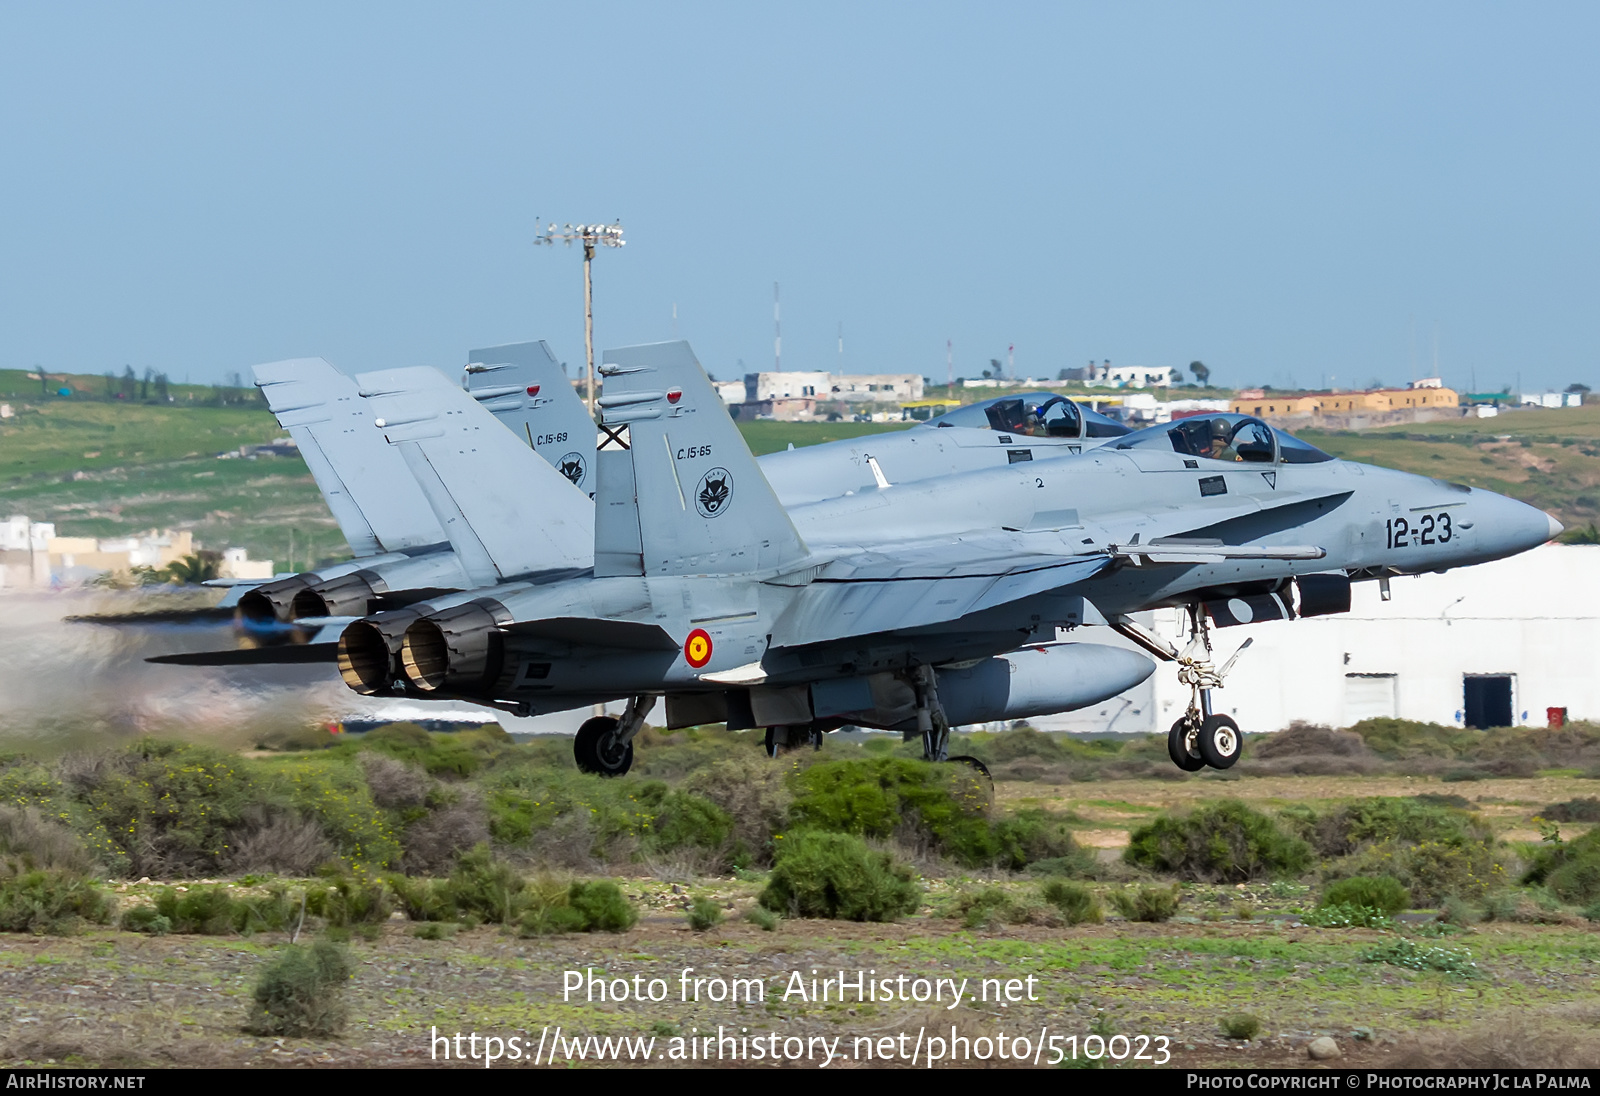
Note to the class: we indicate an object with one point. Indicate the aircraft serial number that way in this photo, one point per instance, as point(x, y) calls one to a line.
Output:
point(1429, 529)
point(551, 439)
point(693, 451)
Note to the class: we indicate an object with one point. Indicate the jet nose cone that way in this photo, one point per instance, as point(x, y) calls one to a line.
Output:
point(1555, 527)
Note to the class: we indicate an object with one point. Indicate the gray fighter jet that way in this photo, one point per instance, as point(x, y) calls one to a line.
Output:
point(907, 606)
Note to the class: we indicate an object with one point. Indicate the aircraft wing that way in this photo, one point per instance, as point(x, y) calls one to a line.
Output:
point(863, 596)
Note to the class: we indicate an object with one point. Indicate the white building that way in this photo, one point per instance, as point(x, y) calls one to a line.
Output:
point(1552, 399)
point(1500, 642)
point(846, 388)
point(1106, 375)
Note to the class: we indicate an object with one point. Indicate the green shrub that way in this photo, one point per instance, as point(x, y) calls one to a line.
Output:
point(1218, 842)
point(214, 911)
point(457, 754)
point(990, 906)
point(1373, 821)
point(1431, 870)
point(423, 899)
point(1455, 910)
point(344, 902)
point(755, 796)
point(169, 807)
point(835, 875)
point(485, 887)
point(552, 908)
point(1574, 875)
point(301, 992)
point(1383, 893)
point(764, 919)
point(1591, 912)
point(146, 919)
point(704, 914)
point(205, 911)
point(1031, 836)
point(1396, 739)
point(434, 930)
point(51, 901)
point(1076, 902)
point(1241, 1025)
point(876, 797)
point(947, 805)
point(333, 791)
point(685, 820)
point(603, 906)
point(1586, 809)
point(1147, 903)
point(552, 920)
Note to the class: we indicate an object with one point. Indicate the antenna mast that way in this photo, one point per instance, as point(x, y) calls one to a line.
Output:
point(590, 236)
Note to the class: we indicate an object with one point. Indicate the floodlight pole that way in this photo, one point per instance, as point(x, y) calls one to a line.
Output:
point(589, 236)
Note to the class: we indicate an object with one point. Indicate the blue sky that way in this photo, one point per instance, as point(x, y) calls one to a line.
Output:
point(1292, 193)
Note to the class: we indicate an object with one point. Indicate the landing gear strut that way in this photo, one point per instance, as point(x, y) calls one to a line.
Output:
point(1200, 737)
point(605, 743)
point(932, 723)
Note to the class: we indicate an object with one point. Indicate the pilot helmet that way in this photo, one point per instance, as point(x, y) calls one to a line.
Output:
point(1219, 428)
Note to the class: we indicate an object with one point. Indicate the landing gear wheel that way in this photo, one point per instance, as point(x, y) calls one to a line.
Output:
point(776, 740)
point(1183, 748)
point(1219, 741)
point(596, 750)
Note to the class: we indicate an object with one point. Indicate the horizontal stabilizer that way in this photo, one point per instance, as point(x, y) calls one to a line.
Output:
point(208, 615)
point(293, 654)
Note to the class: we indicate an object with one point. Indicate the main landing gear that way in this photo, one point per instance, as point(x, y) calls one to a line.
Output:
point(604, 745)
point(1200, 737)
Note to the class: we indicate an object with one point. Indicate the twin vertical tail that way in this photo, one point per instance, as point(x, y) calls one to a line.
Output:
point(376, 503)
point(524, 387)
point(679, 491)
point(507, 513)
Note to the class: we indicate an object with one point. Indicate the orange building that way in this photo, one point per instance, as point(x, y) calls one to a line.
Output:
point(1376, 401)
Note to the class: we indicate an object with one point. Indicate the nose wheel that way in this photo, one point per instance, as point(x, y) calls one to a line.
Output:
point(1200, 737)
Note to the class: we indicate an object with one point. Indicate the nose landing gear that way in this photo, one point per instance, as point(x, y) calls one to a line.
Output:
point(1200, 737)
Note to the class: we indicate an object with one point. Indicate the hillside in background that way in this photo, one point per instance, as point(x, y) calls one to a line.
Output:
point(99, 467)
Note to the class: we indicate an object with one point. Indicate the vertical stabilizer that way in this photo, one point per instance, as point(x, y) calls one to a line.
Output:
point(701, 504)
point(507, 513)
point(524, 386)
point(365, 482)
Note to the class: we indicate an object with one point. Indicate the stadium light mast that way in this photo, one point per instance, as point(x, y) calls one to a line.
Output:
point(591, 237)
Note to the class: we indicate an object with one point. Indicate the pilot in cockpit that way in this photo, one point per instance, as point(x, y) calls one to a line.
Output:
point(1219, 448)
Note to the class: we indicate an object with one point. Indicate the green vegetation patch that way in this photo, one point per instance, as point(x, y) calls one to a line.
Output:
point(1218, 842)
point(835, 875)
point(301, 992)
point(947, 804)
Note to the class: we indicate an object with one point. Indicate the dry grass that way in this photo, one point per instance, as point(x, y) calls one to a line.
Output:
point(1510, 1042)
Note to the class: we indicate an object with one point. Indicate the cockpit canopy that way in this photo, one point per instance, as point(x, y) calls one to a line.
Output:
point(1033, 415)
point(1226, 437)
